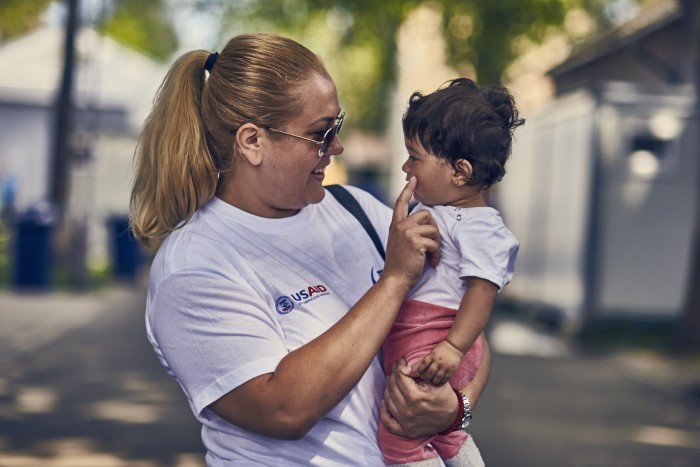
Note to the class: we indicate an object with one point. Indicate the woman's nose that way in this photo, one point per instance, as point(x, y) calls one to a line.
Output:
point(336, 147)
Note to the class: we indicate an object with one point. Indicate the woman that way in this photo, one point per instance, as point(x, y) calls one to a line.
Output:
point(261, 301)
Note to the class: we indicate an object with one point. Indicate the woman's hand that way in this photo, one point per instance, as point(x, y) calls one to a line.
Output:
point(412, 239)
point(414, 408)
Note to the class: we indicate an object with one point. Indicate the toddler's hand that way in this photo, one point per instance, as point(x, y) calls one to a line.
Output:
point(440, 364)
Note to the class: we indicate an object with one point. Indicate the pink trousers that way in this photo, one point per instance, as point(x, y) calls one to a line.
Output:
point(420, 326)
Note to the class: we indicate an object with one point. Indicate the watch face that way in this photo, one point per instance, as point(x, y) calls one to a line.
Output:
point(467, 418)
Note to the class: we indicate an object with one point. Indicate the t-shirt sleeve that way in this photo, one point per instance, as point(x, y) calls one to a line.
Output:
point(488, 249)
point(214, 334)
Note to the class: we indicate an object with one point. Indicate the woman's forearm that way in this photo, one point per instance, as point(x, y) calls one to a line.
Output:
point(312, 379)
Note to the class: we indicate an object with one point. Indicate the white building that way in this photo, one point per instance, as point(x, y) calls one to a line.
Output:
point(113, 89)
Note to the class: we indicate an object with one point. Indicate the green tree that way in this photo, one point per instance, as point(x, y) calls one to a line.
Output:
point(19, 16)
point(142, 25)
point(358, 37)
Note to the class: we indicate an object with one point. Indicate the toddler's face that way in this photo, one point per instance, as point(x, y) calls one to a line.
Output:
point(434, 174)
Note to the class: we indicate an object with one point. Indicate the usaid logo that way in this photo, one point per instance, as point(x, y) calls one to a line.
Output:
point(309, 292)
point(286, 303)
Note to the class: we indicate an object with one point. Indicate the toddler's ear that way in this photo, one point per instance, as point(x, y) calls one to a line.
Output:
point(462, 172)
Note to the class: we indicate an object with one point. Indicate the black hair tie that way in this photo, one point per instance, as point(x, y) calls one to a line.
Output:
point(211, 60)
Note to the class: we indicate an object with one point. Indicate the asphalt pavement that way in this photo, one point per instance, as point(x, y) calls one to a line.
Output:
point(80, 386)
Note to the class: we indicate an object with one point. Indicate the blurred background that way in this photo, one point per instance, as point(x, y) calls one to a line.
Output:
point(596, 341)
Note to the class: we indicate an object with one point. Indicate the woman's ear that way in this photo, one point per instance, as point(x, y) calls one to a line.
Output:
point(462, 171)
point(248, 142)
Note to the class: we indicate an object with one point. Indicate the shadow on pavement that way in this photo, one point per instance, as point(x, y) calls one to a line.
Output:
point(96, 396)
point(81, 386)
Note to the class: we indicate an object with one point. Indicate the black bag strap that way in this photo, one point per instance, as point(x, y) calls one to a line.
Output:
point(350, 203)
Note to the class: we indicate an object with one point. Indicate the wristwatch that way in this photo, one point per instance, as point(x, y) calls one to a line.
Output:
point(464, 414)
point(467, 415)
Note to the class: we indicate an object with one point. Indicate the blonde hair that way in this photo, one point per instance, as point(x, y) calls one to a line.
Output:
point(186, 141)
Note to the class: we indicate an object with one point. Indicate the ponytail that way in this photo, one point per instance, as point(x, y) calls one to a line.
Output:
point(186, 141)
point(174, 172)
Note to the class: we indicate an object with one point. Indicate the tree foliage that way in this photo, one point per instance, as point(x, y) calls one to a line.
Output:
point(143, 26)
point(481, 32)
point(19, 16)
point(357, 38)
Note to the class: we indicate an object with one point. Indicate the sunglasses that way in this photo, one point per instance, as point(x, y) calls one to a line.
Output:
point(328, 136)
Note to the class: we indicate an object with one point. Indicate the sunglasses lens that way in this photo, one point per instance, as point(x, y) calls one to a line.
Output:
point(328, 139)
point(330, 135)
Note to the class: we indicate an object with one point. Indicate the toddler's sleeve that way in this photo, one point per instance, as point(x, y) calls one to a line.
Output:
point(488, 250)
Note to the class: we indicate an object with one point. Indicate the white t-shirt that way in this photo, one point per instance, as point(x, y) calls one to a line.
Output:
point(231, 294)
point(474, 242)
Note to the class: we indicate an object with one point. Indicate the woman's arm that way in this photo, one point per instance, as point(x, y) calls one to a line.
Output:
point(311, 380)
point(413, 409)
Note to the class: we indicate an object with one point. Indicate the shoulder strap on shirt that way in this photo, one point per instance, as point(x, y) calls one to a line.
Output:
point(350, 203)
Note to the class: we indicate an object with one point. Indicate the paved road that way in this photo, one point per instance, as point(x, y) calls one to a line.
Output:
point(87, 390)
point(574, 410)
point(80, 386)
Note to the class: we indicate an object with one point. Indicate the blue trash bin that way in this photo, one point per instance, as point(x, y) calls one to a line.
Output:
point(126, 251)
point(33, 249)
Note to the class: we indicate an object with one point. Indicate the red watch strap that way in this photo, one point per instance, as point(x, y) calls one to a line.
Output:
point(460, 414)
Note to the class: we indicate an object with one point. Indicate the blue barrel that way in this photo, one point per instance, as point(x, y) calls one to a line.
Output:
point(32, 257)
point(126, 252)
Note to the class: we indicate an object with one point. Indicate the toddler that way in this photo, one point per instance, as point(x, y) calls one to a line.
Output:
point(458, 140)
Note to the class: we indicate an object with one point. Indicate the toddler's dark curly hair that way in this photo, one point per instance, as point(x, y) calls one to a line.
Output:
point(462, 120)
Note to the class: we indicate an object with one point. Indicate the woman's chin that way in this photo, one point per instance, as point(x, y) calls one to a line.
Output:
point(314, 193)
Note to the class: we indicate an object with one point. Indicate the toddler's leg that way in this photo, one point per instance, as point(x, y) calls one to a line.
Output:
point(468, 456)
point(400, 451)
point(435, 462)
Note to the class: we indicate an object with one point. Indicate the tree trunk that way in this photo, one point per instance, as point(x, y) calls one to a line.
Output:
point(60, 161)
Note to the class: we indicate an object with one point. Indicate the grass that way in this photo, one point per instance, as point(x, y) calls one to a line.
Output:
point(4, 256)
